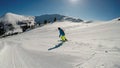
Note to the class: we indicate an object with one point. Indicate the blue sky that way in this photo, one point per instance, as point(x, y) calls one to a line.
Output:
point(84, 9)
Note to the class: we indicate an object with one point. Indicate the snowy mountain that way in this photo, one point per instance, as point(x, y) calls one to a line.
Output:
point(15, 18)
point(10, 20)
point(89, 45)
point(18, 23)
point(116, 19)
point(51, 17)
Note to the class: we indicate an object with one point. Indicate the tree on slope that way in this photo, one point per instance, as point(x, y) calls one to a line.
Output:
point(55, 19)
point(2, 30)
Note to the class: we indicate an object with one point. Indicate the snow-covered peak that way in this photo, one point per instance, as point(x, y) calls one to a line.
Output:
point(116, 19)
point(14, 18)
point(16, 21)
point(10, 14)
point(51, 17)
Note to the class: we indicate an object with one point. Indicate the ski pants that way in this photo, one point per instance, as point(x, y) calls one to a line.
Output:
point(63, 38)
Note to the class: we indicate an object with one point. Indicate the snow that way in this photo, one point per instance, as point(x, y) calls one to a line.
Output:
point(14, 18)
point(51, 17)
point(11, 18)
point(17, 20)
point(90, 45)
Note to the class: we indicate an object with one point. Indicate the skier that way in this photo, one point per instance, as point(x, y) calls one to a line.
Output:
point(62, 34)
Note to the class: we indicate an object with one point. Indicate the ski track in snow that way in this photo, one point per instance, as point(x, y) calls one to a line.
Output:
point(12, 55)
point(86, 48)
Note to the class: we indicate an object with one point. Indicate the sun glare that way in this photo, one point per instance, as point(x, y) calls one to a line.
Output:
point(74, 1)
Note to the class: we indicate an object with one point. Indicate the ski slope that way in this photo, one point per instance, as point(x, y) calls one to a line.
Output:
point(93, 45)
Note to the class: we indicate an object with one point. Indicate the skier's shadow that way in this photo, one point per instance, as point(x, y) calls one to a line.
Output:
point(56, 46)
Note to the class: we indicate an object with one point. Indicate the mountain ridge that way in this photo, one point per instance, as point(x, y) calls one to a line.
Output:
point(50, 17)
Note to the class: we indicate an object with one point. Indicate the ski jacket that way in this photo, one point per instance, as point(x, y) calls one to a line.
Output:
point(62, 33)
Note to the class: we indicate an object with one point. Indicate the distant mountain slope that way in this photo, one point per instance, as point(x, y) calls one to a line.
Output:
point(13, 22)
point(14, 18)
point(116, 19)
point(51, 17)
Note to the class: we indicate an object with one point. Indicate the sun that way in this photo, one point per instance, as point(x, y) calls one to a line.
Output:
point(74, 1)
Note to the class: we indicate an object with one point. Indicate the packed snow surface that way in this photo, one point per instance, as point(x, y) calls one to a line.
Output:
point(93, 45)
